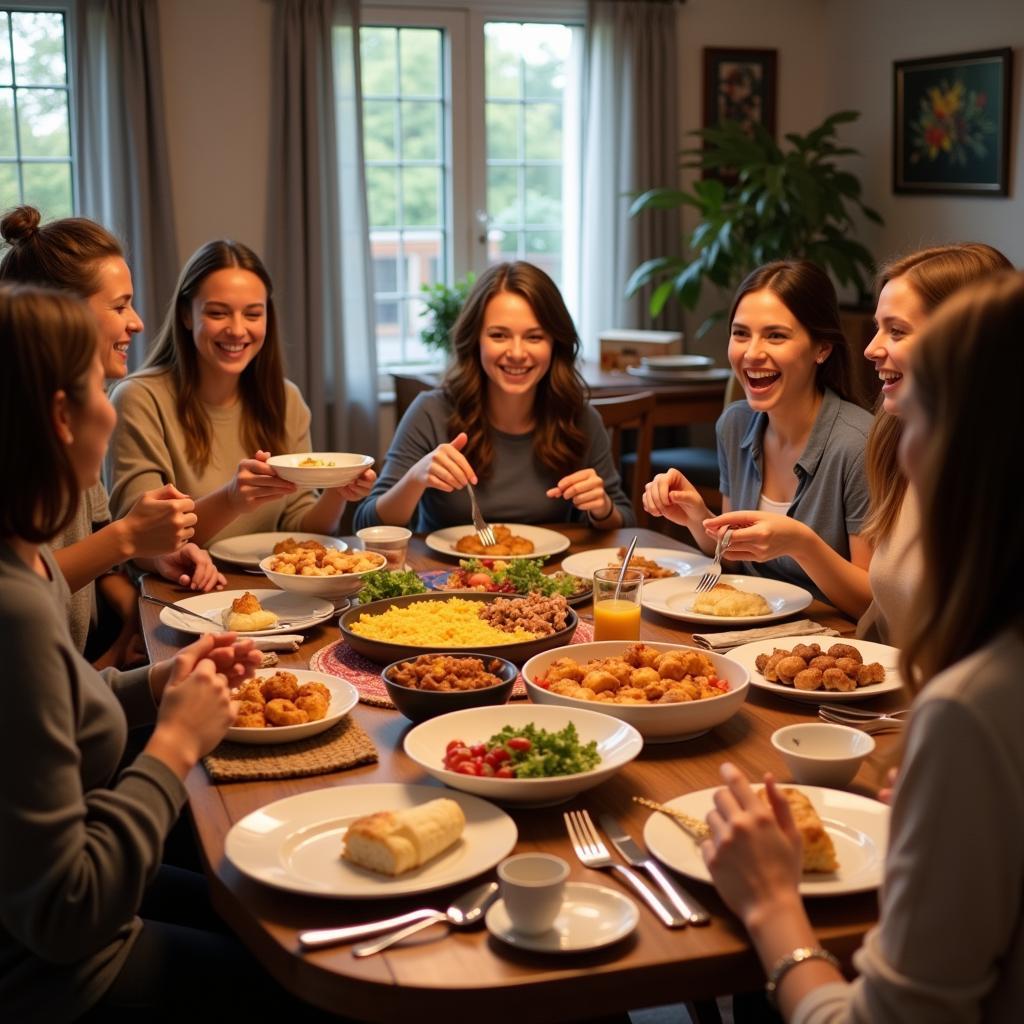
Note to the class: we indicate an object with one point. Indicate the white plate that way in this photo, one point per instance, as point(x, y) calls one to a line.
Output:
point(674, 597)
point(344, 697)
point(592, 916)
point(676, 363)
point(296, 843)
point(683, 560)
point(681, 376)
point(250, 548)
point(857, 825)
point(545, 542)
point(888, 657)
point(299, 611)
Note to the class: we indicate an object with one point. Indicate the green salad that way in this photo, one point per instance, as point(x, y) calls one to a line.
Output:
point(385, 583)
point(548, 753)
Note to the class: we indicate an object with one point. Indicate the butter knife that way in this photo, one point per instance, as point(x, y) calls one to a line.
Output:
point(635, 855)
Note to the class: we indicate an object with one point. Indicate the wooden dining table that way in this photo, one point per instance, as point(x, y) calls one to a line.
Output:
point(468, 971)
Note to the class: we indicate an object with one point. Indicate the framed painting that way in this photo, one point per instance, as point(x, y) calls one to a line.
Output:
point(951, 124)
point(739, 85)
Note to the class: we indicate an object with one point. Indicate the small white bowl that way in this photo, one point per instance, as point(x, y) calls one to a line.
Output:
point(344, 468)
point(821, 754)
point(329, 587)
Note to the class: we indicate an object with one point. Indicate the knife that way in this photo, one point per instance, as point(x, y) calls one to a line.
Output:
point(635, 855)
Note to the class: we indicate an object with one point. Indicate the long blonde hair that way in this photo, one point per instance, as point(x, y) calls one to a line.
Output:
point(934, 274)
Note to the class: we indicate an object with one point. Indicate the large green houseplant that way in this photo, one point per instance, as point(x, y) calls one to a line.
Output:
point(442, 303)
point(764, 202)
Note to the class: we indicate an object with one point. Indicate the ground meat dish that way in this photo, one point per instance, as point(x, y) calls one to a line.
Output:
point(540, 615)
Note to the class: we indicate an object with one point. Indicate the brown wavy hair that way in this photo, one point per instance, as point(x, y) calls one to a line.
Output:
point(261, 384)
point(934, 274)
point(561, 394)
point(806, 291)
point(971, 348)
point(48, 341)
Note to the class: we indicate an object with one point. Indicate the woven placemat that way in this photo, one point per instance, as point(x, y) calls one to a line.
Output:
point(339, 659)
point(344, 745)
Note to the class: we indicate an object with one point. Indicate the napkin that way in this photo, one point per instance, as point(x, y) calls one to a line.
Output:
point(280, 642)
point(725, 641)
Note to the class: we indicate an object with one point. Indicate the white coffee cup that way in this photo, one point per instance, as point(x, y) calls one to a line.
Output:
point(532, 887)
point(390, 541)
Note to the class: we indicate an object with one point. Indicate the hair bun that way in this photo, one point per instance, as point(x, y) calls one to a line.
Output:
point(20, 224)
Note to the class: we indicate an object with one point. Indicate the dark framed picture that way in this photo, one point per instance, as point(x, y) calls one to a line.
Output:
point(951, 124)
point(739, 85)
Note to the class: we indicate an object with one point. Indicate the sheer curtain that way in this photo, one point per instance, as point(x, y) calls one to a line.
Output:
point(123, 179)
point(318, 244)
point(631, 143)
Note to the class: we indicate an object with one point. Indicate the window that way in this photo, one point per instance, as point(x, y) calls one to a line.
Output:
point(471, 132)
point(35, 128)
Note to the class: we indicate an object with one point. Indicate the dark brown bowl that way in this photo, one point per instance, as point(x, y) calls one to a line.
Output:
point(384, 652)
point(419, 705)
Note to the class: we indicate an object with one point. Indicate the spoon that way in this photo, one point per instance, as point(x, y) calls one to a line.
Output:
point(625, 566)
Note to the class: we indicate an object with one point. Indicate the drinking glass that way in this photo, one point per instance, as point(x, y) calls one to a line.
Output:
point(617, 608)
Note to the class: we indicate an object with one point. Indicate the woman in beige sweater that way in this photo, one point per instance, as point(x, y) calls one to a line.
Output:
point(211, 405)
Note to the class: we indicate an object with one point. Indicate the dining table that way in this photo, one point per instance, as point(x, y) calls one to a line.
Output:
point(469, 972)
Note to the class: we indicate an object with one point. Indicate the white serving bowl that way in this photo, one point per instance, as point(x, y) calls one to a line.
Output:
point(617, 743)
point(347, 466)
point(821, 754)
point(330, 587)
point(657, 723)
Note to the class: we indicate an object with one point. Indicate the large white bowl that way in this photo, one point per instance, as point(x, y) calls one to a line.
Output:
point(617, 743)
point(330, 587)
point(657, 723)
point(347, 466)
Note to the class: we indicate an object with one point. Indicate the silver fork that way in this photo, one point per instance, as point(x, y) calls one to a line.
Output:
point(714, 570)
point(884, 723)
point(588, 846)
point(852, 712)
point(484, 533)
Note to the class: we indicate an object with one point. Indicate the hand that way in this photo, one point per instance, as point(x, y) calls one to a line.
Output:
point(754, 850)
point(886, 792)
point(673, 496)
point(195, 712)
point(358, 488)
point(759, 536)
point(255, 483)
point(585, 489)
point(160, 521)
point(445, 468)
point(235, 659)
point(192, 567)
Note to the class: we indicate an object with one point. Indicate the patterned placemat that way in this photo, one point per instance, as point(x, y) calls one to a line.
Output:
point(339, 659)
point(344, 745)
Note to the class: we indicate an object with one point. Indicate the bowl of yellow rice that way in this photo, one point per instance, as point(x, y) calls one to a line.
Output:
point(402, 627)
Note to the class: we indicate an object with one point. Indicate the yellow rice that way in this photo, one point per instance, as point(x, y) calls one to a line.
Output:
point(451, 623)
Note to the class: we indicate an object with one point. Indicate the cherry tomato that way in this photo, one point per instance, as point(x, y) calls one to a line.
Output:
point(519, 743)
point(479, 579)
point(468, 768)
point(452, 745)
point(505, 772)
point(486, 769)
point(459, 754)
point(478, 749)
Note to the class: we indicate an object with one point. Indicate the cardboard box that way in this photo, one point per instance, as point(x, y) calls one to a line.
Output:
point(621, 348)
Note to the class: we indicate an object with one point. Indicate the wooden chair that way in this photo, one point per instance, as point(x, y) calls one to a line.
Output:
point(631, 412)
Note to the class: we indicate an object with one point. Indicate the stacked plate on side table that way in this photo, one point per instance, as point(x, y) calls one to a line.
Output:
point(684, 369)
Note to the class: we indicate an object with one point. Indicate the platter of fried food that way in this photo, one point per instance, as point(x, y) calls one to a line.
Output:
point(845, 829)
point(249, 549)
point(321, 572)
point(237, 610)
point(654, 563)
point(668, 692)
point(299, 843)
point(288, 705)
point(821, 669)
point(735, 601)
point(515, 540)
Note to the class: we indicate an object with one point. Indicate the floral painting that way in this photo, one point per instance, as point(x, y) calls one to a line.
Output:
point(952, 124)
point(739, 85)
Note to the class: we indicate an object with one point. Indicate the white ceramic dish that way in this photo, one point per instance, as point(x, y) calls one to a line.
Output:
point(592, 916)
point(657, 723)
point(886, 656)
point(298, 610)
point(674, 597)
point(344, 697)
point(617, 743)
point(858, 826)
point(251, 548)
point(330, 587)
point(343, 468)
point(681, 362)
point(295, 843)
point(545, 542)
point(683, 560)
point(697, 376)
point(822, 754)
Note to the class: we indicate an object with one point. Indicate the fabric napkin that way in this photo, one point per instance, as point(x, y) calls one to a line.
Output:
point(279, 642)
point(736, 637)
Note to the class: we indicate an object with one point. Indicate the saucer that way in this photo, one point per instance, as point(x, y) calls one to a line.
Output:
point(592, 916)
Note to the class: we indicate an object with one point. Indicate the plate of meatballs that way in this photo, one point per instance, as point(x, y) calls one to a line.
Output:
point(821, 668)
point(289, 705)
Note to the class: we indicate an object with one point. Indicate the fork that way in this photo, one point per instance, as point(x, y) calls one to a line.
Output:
point(884, 723)
point(714, 570)
point(592, 853)
point(852, 712)
point(484, 533)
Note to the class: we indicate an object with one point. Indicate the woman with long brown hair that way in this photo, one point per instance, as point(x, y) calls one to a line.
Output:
point(951, 856)
point(211, 404)
point(511, 419)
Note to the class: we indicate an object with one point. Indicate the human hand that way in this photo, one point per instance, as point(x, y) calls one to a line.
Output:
point(235, 659)
point(753, 854)
point(255, 483)
point(190, 567)
point(585, 489)
point(195, 713)
point(886, 792)
point(160, 521)
point(358, 488)
point(445, 468)
point(759, 536)
point(673, 496)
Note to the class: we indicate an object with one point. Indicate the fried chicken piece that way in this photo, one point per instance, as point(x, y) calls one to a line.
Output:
point(869, 675)
point(787, 668)
point(836, 679)
point(280, 686)
point(284, 712)
point(822, 662)
point(642, 677)
point(250, 715)
point(306, 689)
point(773, 659)
point(845, 651)
point(314, 705)
point(564, 668)
point(808, 679)
point(806, 651)
point(848, 665)
point(640, 655)
point(599, 680)
point(246, 604)
point(249, 692)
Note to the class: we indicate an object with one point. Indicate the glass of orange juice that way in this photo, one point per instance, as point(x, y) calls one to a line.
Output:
point(617, 607)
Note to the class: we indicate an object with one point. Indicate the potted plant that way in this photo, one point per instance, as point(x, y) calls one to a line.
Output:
point(764, 202)
point(443, 303)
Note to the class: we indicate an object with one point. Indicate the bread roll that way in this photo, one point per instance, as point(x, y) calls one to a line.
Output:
point(246, 614)
point(393, 842)
point(819, 855)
